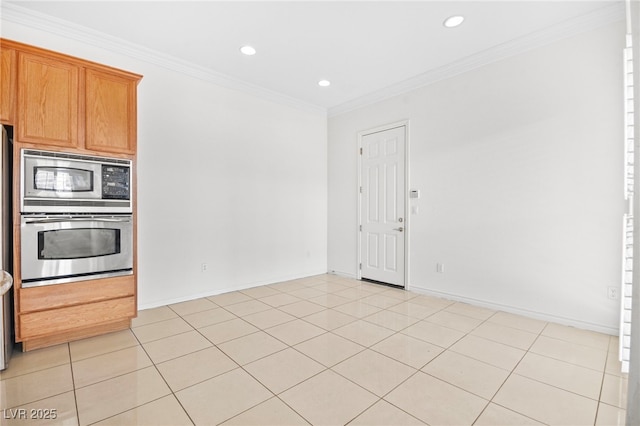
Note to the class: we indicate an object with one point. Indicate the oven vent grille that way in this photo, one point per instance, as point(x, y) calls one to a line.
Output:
point(75, 157)
point(75, 203)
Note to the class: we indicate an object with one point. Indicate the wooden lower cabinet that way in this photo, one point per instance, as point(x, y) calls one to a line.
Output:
point(75, 334)
point(63, 312)
point(59, 320)
point(60, 295)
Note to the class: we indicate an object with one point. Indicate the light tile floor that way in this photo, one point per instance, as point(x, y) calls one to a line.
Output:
point(323, 350)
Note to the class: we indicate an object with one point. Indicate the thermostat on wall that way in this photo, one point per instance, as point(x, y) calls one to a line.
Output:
point(415, 193)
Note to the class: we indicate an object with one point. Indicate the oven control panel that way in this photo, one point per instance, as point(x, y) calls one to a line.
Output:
point(115, 182)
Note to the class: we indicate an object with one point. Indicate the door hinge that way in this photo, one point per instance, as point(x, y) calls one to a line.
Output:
point(361, 266)
point(361, 190)
point(360, 151)
point(360, 228)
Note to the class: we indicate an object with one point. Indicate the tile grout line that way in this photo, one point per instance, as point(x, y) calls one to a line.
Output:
point(373, 344)
point(153, 363)
point(262, 384)
point(32, 372)
point(604, 375)
point(438, 356)
point(165, 382)
point(48, 396)
point(121, 375)
point(73, 382)
point(380, 398)
point(511, 373)
point(564, 361)
point(325, 368)
point(274, 395)
point(241, 367)
point(490, 401)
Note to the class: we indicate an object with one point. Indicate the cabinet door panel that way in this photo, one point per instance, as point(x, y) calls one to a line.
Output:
point(8, 86)
point(47, 101)
point(43, 323)
point(110, 113)
point(60, 295)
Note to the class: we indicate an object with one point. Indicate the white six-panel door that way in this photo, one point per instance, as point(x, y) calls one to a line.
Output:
point(382, 208)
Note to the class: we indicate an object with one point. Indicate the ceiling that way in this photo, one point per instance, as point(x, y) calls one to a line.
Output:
point(363, 47)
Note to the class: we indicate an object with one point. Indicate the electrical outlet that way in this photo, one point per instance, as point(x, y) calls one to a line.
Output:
point(612, 292)
point(203, 267)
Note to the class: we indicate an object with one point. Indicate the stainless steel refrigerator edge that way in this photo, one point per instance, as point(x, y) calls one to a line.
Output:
point(6, 253)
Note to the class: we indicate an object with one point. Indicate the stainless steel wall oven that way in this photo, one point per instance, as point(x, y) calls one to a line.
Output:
point(76, 218)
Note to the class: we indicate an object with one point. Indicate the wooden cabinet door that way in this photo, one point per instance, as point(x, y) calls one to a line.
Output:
point(47, 101)
point(52, 321)
point(8, 86)
point(110, 122)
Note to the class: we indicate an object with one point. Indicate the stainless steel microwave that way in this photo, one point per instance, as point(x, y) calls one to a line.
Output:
point(55, 182)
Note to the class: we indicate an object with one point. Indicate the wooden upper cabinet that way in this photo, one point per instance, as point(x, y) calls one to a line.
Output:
point(62, 102)
point(8, 86)
point(110, 109)
point(47, 100)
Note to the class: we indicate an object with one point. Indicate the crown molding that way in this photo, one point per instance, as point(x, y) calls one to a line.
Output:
point(590, 21)
point(23, 16)
point(608, 14)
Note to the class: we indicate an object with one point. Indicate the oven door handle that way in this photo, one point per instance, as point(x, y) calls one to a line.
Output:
point(79, 219)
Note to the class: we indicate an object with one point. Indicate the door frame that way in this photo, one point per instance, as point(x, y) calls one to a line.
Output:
point(407, 226)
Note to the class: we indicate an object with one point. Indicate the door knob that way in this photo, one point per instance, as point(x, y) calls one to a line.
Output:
point(399, 229)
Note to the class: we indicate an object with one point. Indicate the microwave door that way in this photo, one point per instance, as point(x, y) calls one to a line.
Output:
point(61, 179)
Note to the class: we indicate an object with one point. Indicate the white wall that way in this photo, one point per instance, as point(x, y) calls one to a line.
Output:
point(229, 180)
point(224, 178)
point(519, 164)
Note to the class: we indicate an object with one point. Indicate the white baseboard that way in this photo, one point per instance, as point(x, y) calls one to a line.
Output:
point(343, 274)
point(456, 297)
point(241, 286)
point(544, 316)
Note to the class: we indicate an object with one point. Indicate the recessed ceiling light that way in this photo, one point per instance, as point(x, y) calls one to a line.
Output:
point(453, 21)
point(324, 83)
point(248, 50)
